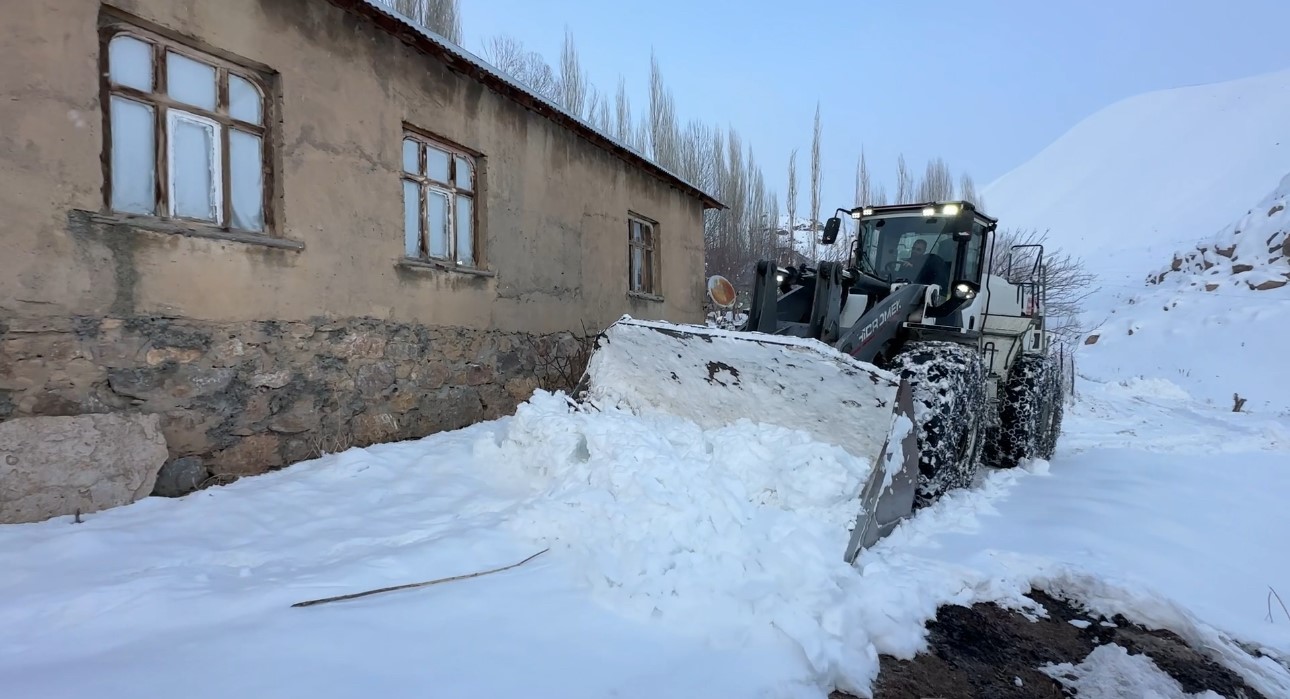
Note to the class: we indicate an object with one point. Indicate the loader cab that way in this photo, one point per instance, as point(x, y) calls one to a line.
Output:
point(941, 243)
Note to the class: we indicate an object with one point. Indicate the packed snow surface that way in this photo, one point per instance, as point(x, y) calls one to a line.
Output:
point(683, 561)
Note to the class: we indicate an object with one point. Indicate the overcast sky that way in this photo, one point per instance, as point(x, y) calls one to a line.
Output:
point(985, 84)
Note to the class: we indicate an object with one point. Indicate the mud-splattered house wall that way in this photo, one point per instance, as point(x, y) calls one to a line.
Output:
point(281, 224)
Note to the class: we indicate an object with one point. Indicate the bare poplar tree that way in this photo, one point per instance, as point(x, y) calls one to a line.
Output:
point(937, 183)
point(603, 121)
point(904, 182)
point(815, 176)
point(967, 191)
point(622, 113)
point(573, 80)
point(791, 204)
point(864, 182)
point(663, 129)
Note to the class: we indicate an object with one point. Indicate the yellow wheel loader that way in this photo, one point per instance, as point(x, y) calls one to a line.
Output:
point(910, 354)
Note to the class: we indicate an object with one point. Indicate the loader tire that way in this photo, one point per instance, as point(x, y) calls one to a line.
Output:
point(1054, 404)
point(1029, 412)
point(948, 383)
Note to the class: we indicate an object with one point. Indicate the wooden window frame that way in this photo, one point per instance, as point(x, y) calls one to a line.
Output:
point(648, 244)
point(425, 185)
point(163, 107)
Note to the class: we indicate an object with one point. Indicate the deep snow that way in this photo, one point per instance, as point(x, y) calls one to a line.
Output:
point(683, 562)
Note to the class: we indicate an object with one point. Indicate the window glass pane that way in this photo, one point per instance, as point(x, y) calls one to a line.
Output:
point(246, 179)
point(134, 161)
point(130, 63)
point(463, 173)
point(194, 186)
point(637, 264)
point(971, 263)
point(634, 231)
point(437, 223)
point(243, 100)
point(411, 156)
point(437, 164)
point(411, 219)
point(189, 81)
point(465, 231)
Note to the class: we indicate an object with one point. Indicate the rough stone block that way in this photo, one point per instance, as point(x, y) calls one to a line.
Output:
point(52, 466)
point(180, 477)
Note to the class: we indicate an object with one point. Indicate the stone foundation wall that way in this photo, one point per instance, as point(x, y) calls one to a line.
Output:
point(243, 398)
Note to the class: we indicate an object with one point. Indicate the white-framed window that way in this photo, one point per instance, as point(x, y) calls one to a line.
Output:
point(642, 255)
point(439, 202)
point(186, 134)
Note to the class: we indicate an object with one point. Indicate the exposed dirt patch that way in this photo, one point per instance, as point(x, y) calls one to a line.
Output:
point(988, 651)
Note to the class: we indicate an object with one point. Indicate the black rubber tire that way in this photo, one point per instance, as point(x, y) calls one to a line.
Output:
point(948, 383)
point(1029, 412)
point(1054, 404)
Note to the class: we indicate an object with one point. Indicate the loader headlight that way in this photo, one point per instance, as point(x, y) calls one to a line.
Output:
point(779, 278)
point(964, 291)
point(929, 211)
point(950, 210)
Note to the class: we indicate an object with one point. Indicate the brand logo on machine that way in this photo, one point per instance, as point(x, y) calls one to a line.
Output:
point(866, 333)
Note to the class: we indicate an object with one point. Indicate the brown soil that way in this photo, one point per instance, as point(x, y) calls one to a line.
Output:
point(981, 651)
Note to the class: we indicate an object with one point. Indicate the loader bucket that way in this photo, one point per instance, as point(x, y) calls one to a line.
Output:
point(715, 377)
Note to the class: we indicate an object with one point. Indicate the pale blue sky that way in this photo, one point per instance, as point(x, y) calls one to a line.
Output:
point(985, 84)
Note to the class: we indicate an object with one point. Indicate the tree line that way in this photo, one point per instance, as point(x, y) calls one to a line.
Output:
point(716, 159)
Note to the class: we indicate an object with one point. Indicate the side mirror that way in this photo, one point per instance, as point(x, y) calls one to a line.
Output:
point(831, 228)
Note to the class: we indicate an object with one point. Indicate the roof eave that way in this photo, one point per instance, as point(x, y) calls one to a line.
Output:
point(457, 60)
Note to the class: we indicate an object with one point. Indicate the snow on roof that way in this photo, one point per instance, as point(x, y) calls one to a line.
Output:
point(466, 62)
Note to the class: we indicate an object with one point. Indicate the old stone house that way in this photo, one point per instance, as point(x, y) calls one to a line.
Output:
point(287, 226)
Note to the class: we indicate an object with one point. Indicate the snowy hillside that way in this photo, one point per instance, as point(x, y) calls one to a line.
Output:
point(1212, 321)
point(1145, 176)
point(1168, 187)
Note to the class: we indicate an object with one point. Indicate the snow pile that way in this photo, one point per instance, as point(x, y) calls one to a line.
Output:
point(732, 530)
point(1110, 672)
point(1144, 176)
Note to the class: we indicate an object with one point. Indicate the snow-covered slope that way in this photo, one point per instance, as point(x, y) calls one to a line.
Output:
point(1213, 321)
point(1152, 173)
point(1173, 182)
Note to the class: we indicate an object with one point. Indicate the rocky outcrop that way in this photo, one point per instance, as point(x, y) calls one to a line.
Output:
point(245, 398)
point(1253, 253)
point(52, 466)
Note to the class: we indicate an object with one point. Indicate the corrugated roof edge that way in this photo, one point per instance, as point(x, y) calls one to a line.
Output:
point(466, 62)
